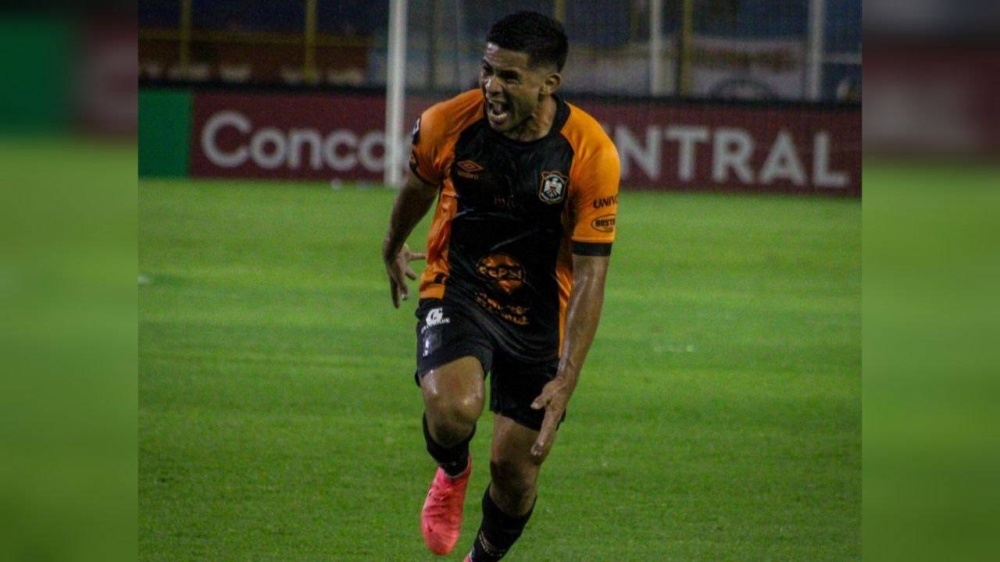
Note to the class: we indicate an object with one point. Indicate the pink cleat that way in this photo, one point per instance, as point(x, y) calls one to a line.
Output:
point(441, 517)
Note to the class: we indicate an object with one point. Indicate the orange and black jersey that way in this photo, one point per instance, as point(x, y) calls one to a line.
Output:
point(510, 215)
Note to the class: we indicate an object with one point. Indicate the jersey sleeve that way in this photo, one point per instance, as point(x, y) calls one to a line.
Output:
point(425, 146)
point(596, 178)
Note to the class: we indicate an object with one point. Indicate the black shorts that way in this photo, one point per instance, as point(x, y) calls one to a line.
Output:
point(446, 333)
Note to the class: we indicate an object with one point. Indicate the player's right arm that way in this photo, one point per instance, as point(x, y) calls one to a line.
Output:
point(431, 136)
point(412, 203)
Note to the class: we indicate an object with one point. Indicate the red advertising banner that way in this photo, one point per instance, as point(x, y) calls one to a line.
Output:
point(288, 136)
point(932, 99)
point(714, 147)
point(108, 100)
point(796, 149)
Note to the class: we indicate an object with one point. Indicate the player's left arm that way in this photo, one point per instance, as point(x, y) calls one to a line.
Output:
point(583, 313)
point(595, 179)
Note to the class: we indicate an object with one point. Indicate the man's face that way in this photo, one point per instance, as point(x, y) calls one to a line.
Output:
point(512, 88)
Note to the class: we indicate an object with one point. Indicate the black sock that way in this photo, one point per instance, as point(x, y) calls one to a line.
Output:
point(498, 531)
point(453, 460)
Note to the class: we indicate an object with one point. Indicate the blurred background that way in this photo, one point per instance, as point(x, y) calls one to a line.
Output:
point(742, 49)
point(718, 95)
point(68, 390)
point(85, 82)
point(931, 149)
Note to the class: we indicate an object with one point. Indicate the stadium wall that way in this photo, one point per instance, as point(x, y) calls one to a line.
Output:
point(664, 144)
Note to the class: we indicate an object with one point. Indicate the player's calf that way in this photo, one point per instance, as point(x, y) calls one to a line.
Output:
point(514, 484)
point(498, 531)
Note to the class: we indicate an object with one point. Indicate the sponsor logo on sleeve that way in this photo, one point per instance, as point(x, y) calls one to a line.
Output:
point(604, 223)
point(605, 201)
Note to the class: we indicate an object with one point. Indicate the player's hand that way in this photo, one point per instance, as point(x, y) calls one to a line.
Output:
point(398, 268)
point(553, 399)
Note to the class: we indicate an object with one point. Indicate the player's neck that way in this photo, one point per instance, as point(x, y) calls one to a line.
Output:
point(538, 125)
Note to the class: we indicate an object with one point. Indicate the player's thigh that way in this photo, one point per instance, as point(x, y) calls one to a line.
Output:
point(514, 386)
point(453, 355)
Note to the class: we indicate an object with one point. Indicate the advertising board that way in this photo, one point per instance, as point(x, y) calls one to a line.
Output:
point(662, 145)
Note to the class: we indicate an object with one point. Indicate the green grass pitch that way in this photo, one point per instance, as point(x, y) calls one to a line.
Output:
point(718, 417)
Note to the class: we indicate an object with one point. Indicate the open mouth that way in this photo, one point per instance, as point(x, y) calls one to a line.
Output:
point(498, 111)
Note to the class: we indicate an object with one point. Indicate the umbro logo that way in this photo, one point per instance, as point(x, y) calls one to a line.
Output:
point(470, 166)
point(469, 169)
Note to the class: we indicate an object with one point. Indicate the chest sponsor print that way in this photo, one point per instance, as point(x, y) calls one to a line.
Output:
point(502, 271)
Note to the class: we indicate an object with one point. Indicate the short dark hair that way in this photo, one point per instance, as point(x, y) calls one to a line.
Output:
point(541, 37)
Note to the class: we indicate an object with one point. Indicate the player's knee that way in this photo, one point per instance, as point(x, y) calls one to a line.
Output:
point(458, 408)
point(451, 419)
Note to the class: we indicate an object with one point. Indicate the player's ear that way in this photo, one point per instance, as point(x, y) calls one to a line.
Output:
point(551, 83)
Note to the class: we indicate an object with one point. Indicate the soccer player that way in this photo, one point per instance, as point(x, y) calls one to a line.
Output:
point(527, 191)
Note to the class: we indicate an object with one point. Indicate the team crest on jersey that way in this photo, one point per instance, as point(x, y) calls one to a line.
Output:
point(553, 188)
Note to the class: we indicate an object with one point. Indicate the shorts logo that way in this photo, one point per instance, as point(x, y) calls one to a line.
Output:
point(553, 187)
point(502, 271)
point(604, 223)
point(436, 317)
point(431, 341)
